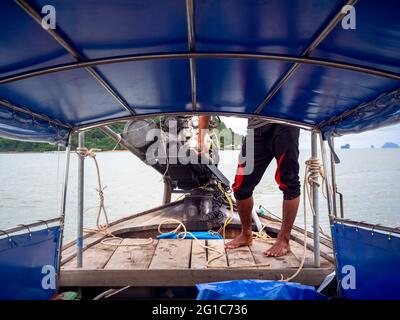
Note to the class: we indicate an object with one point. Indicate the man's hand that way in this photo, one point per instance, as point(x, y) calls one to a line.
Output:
point(202, 144)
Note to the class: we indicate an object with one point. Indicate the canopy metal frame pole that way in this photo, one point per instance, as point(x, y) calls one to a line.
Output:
point(81, 199)
point(118, 138)
point(199, 55)
point(191, 45)
point(326, 173)
point(64, 202)
point(314, 154)
point(167, 191)
point(333, 178)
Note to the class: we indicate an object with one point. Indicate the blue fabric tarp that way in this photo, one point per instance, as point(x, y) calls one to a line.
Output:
point(21, 126)
point(29, 264)
point(367, 262)
point(198, 234)
point(256, 290)
point(383, 111)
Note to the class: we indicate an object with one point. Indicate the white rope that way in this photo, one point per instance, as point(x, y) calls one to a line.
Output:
point(311, 177)
point(103, 228)
point(91, 153)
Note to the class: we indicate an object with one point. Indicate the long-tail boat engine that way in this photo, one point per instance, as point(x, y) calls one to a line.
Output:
point(169, 145)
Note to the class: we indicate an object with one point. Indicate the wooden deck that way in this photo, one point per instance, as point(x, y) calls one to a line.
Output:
point(175, 263)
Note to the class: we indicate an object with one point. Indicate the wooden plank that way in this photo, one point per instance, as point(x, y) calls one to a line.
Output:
point(259, 247)
point(96, 257)
point(173, 206)
point(185, 277)
point(218, 245)
point(297, 234)
point(240, 257)
point(297, 250)
point(133, 257)
point(199, 255)
point(172, 254)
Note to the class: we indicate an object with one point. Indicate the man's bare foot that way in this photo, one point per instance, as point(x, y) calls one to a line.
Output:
point(279, 249)
point(240, 241)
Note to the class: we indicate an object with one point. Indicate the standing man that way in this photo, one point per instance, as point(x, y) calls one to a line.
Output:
point(270, 141)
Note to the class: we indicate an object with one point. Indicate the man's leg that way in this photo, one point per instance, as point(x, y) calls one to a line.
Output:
point(281, 246)
point(286, 146)
point(245, 237)
point(244, 186)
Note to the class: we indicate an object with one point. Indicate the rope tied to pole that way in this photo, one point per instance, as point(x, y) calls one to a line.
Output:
point(91, 153)
point(313, 171)
point(103, 228)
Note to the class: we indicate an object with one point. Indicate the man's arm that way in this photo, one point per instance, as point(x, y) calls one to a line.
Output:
point(204, 122)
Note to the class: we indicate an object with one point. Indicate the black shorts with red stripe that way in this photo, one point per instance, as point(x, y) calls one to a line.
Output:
point(270, 141)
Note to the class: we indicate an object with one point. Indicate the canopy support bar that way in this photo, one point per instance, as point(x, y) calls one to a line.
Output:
point(60, 40)
point(64, 202)
point(200, 55)
point(306, 53)
point(101, 123)
point(333, 173)
point(326, 172)
point(167, 191)
point(81, 199)
point(117, 138)
point(314, 154)
point(192, 45)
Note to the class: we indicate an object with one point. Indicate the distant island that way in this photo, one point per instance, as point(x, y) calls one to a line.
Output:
point(390, 145)
point(346, 146)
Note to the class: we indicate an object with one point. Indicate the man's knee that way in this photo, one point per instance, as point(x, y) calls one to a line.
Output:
point(243, 194)
point(291, 190)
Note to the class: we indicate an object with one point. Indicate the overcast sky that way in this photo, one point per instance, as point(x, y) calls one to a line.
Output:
point(362, 140)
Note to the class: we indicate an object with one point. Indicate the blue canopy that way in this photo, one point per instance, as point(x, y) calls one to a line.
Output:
point(113, 60)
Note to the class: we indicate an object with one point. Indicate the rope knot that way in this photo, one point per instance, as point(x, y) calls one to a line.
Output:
point(314, 171)
point(85, 152)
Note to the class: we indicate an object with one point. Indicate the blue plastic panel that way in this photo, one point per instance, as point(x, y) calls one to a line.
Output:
point(29, 264)
point(367, 263)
